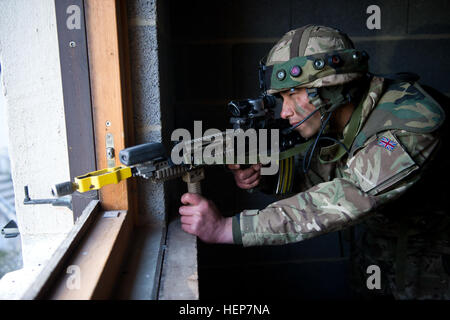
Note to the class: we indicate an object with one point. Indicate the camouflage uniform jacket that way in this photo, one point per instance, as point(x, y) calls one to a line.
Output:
point(397, 134)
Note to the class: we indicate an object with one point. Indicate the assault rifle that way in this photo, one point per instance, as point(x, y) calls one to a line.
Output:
point(150, 160)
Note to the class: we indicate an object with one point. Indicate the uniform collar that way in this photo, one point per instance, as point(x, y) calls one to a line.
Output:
point(359, 116)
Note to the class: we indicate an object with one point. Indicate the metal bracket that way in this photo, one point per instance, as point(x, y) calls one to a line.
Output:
point(111, 214)
point(10, 230)
point(110, 154)
point(58, 202)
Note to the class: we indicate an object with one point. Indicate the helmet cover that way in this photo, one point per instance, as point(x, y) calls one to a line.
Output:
point(312, 57)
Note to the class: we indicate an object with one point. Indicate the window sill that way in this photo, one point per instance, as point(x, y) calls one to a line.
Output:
point(84, 265)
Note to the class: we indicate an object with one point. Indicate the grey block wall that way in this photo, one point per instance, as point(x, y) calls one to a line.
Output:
point(153, 122)
point(146, 84)
point(215, 47)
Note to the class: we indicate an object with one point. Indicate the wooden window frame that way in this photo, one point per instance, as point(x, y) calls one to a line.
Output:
point(100, 237)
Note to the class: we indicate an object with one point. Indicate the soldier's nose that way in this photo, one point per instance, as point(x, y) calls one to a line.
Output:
point(286, 112)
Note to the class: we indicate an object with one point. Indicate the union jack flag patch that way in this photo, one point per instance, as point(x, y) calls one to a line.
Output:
point(387, 143)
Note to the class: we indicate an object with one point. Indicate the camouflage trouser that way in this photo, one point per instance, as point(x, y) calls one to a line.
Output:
point(422, 271)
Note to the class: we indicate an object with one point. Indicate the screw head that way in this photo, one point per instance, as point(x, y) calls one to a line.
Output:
point(72, 44)
point(108, 123)
point(109, 153)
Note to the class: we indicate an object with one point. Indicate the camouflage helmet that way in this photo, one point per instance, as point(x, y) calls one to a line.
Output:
point(312, 56)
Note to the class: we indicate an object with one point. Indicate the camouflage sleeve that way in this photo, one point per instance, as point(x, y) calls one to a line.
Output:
point(380, 171)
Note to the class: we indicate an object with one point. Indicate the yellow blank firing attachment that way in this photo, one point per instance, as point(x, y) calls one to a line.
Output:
point(97, 179)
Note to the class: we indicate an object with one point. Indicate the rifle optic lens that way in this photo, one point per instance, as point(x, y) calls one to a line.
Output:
point(234, 109)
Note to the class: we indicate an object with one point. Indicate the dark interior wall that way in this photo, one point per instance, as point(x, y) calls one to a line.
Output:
point(214, 50)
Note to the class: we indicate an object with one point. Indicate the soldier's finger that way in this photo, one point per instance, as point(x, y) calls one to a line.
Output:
point(256, 167)
point(252, 178)
point(247, 186)
point(233, 166)
point(187, 228)
point(191, 198)
point(187, 220)
point(245, 174)
point(188, 210)
point(250, 185)
point(254, 184)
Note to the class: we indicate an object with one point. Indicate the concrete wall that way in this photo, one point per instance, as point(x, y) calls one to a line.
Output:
point(141, 270)
point(3, 121)
point(216, 47)
point(31, 83)
point(148, 111)
point(4, 158)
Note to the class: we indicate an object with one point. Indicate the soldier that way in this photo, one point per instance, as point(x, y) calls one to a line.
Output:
point(369, 142)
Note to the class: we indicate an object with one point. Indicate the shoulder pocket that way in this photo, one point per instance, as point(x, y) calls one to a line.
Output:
point(380, 164)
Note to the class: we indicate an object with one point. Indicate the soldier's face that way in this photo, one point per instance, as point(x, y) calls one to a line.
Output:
point(296, 107)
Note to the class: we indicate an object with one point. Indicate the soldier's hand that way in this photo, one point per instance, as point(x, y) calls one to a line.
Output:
point(200, 217)
point(246, 178)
